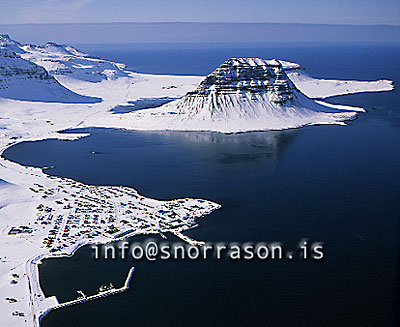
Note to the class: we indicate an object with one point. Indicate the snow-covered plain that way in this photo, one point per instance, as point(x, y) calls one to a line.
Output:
point(323, 88)
point(55, 216)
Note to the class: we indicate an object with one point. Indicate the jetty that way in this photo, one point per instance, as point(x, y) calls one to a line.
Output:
point(186, 238)
point(110, 291)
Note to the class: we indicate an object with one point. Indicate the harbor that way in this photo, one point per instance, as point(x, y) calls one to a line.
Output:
point(103, 292)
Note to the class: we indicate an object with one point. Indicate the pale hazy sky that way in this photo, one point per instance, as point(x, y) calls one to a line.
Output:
point(365, 12)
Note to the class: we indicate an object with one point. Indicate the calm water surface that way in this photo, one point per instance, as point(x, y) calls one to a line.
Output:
point(333, 184)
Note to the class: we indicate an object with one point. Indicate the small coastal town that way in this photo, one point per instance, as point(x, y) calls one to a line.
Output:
point(74, 211)
point(53, 217)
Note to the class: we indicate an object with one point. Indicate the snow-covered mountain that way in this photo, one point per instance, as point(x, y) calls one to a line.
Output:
point(65, 60)
point(236, 85)
point(22, 79)
point(242, 94)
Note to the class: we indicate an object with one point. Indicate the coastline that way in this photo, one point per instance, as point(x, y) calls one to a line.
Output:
point(37, 303)
point(28, 121)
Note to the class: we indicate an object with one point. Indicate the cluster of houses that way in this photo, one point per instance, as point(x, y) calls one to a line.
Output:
point(20, 230)
point(78, 211)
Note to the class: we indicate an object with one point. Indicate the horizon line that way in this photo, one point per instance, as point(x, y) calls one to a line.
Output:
point(184, 22)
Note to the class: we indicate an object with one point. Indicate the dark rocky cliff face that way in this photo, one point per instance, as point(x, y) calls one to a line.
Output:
point(13, 66)
point(253, 75)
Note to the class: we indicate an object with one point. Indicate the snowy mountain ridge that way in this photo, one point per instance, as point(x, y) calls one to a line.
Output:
point(21, 79)
point(10, 44)
point(65, 60)
point(62, 60)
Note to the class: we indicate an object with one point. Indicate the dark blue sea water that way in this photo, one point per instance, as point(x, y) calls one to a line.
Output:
point(335, 184)
point(320, 60)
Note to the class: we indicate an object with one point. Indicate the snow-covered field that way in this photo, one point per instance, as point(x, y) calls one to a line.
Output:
point(43, 216)
point(323, 88)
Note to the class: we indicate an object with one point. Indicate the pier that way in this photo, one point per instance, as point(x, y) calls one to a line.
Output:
point(186, 238)
point(83, 298)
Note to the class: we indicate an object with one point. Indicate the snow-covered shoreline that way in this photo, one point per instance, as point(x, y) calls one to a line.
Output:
point(41, 210)
point(22, 253)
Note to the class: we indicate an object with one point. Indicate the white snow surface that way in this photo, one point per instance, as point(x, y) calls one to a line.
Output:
point(66, 60)
point(281, 101)
point(323, 88)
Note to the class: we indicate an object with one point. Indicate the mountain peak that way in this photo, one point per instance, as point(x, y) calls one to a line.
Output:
point(5, 39)
point(8, 43)
point(248, 75)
